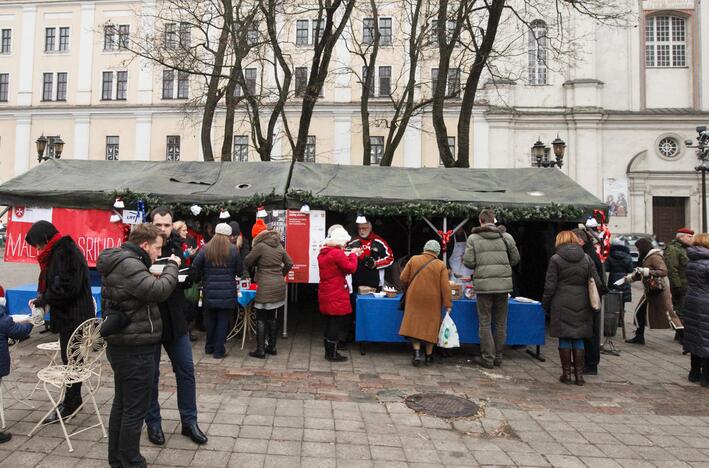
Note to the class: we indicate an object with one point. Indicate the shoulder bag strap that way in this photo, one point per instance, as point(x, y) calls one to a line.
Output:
point(419, 269)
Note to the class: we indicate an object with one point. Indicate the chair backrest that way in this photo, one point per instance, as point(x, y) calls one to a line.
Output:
point(86, 346)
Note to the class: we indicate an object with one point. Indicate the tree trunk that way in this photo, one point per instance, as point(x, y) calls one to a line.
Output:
point(368, 85)
point(231, 102)
point(471, 84)
point(214, 94)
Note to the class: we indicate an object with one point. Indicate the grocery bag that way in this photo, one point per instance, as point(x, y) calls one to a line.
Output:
point(448, 334)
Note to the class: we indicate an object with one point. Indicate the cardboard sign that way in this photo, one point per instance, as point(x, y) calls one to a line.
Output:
point(91, 230)
point(305, 233)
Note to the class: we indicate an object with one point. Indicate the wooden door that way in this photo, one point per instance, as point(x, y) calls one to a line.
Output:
point(668, 215)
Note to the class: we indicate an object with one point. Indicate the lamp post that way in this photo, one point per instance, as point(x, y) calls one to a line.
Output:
point(702, 147)
point(58, 145)
point(540, 153)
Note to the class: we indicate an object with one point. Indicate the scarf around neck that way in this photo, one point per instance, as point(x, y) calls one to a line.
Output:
point(43, 258)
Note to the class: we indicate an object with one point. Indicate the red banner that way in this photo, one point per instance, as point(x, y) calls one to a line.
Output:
point(305, 233)
point(91, 230)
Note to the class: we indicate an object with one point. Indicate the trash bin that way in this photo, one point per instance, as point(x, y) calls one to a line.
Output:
point(612, 308)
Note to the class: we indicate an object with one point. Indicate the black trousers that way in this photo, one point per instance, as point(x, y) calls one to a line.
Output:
point(337, 326)
point(133, 381)
point(264, 315)
point(592, 346)
point(641, 319)
point(72, 398)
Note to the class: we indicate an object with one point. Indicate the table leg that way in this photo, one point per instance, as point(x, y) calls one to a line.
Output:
point(537, 354)
point(362, 348)
point(247, 323)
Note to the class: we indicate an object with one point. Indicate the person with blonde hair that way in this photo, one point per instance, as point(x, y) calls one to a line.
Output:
point(218, 264)
point(696, 313)
point(566, 300)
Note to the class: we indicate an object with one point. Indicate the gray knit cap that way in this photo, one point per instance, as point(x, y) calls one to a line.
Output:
point(432, 246)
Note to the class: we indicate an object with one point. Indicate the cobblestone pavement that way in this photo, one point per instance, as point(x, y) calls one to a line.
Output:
point(296, 409)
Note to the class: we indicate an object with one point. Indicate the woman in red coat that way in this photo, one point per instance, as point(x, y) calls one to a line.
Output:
point(333, 293)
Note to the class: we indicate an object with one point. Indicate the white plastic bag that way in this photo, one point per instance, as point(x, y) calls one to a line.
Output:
point(448, 334)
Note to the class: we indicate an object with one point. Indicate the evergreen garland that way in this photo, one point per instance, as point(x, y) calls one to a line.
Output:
point(551, 212)
point(183, 209)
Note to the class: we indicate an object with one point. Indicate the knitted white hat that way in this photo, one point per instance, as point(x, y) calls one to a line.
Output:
point(223, 229)
point(339, 236)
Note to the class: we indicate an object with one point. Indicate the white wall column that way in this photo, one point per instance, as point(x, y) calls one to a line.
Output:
point(586, 152)
point(82, 137)
point(143, 126)
point(480, 157)
point(412, 143)
point(342, 140)
point(23, 138)
point(27, 54)
point(86, 53)
point(145, 66)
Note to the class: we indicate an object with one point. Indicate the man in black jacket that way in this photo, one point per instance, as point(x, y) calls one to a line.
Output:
point(64, 286)
point(129, 290)
point(176, 341)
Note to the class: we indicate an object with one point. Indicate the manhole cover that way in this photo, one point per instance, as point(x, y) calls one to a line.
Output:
point(442, 405)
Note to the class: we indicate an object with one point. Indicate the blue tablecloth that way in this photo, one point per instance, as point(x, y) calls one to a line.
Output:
point(17, 298)
point(379, 320)
point(246, 297)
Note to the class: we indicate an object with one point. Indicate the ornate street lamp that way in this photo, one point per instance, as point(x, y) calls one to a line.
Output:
point(702, 147)
point(540, 153)
point(41, 145)
point(57, 145)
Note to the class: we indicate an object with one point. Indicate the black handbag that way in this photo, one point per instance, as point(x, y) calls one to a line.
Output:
point(402, 301)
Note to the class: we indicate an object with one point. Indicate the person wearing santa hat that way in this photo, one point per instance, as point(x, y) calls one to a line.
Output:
point(376, 256)
point(676, 260)
point(9, 329)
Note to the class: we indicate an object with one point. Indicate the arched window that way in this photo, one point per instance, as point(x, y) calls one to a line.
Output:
point(537, 53)
point(665, 41)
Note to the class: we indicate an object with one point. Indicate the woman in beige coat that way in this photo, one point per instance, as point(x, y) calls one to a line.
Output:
point(425, 278)
point(654, 307)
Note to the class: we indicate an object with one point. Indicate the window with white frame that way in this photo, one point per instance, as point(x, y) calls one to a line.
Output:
point(302, 29)
point(116, 37)
point(450, 30)
point(376, 149)
point(252, 35)
point(665, 41)
point(50, 39)
point(368, 31)
point(63, 39)
point(169, 82)
point(385, 81)
point(49, 92)
point(112, 148)
point(452, 82)
point(537, 53)
point(172, 151)
point(170, 37)
point(4, 86)
point(123, 36)
point(385, 31)
point(107, 86)
point(309, 155)
point(185, 35)
point(6, 42)
point(318, 29)
point(241, 148)
point(301, 80)
point(250, 79)
point(121, 86)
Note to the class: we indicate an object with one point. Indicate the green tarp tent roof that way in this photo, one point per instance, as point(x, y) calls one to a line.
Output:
point(92, 184)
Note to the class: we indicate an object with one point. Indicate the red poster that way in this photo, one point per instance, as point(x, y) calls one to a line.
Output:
point(91, 230)
point(297, 245)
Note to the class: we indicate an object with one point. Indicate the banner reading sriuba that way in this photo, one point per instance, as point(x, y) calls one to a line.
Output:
point(91, 230)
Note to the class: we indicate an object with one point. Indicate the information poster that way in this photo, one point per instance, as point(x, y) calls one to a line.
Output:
point(91, 230)
point(305, 233)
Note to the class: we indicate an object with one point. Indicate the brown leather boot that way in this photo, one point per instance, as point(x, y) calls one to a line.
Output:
point(565, 357)
point(578, 365)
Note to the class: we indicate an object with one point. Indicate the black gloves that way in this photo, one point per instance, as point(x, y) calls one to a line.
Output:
point(369, 263)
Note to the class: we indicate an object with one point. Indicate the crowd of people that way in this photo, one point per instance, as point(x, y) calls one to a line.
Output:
point(148, 308)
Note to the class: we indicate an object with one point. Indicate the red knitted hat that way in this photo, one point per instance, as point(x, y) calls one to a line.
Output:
point(259, 227)
point(685, 230)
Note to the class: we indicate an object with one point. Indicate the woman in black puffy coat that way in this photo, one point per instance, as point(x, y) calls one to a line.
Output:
point(619, 265)
point(696, 316)
point(217, 265)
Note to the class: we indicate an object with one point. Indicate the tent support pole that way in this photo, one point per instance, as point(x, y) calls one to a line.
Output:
point(408, 224)
point(445, 229)
point(285, 315)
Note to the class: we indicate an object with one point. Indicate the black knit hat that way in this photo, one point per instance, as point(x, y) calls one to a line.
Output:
point(40, 233)
point(235, 228)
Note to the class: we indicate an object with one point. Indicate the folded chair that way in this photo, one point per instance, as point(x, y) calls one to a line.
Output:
point(85, 353)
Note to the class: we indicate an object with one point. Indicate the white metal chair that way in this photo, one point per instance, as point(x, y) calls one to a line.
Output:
point(52, 350)
point(85, 353)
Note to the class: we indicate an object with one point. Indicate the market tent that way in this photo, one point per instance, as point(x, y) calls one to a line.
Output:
point(92, 184)
point(391, 186)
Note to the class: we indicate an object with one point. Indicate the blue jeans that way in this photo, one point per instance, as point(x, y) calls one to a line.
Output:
point(180, 353)
point(570, 343)
point(216, 321)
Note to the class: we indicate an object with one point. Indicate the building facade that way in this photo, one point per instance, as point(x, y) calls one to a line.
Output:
point(625, 100)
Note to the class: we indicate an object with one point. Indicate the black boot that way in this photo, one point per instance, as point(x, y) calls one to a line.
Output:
point(272, 337)
point(429, 359)
point(639, 337)
point(705, 373)
point(331, 353)
point(416, 361)
point(695, 371)
point(260, 340)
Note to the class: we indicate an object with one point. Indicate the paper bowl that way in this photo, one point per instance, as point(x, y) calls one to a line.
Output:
point(181, 278)
point(156, 269)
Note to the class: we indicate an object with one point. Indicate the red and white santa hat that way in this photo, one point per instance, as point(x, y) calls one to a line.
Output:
point(2, 297)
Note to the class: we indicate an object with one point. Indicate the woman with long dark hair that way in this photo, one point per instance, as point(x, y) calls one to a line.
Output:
point(218, 264)
point(656, 303)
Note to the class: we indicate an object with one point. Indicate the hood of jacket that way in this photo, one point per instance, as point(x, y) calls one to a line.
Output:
point(110, 258)
point(488, 231)
point(327, 249)
point(570, 252)
point(619, 251)
point(270, 238)
point(698, 252)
